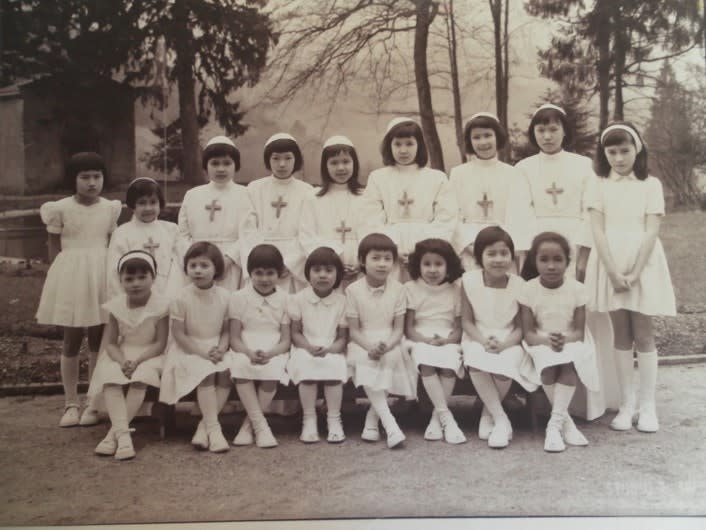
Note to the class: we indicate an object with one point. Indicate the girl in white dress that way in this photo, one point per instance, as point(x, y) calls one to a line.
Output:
point(135, 338)
point(331, 216)
point(553, 311)
point(433, 329)
point(375, 308)
point(79, 228)
point(215, 212)
point(319, 339)
point(260, 340)
point(482, 186)
point(197, 357)
point(405, 200)
point(145, 231)
point(628, 276)
point(492, 348)
point(275, 208)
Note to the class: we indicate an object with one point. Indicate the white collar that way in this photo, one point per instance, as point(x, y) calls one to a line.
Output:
point(315, 299)
point(615, 176)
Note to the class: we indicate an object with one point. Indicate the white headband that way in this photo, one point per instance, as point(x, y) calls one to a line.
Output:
point(141, 255)
point(220, 140)
point(483, 115)
point(142, 178)
point(632, 132)
point(549, 106)
point(394, 122)
point(338, 140)
point(279, 136)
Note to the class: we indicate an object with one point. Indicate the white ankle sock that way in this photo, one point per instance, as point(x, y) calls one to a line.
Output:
point(134, 399)
point(503, 386)
point(206, 397)
point(115, 403)
point(334, 398)
point(432, 385)
point(625, 369)
point(647, 366)
point(69, 378)
point(488, 393)
point(249, 398)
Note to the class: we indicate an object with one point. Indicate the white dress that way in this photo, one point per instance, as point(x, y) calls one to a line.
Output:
point(494, 311)
point(376, 310)
point(215, 213)
point(274, 213)
point(483, 189)
point(553, 310)
point(159, 238)
point(261, 318)
point(320, 318)
point(203, 312)
point(137, 328)
point(625, 202)
point(84, 232)
point(436, 307)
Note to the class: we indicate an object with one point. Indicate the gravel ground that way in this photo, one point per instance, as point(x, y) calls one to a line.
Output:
point(52, 477)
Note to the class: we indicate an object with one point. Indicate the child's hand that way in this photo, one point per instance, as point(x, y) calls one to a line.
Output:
point(319, 351)
point(630, 279)
point(377, 351)
point(620, 283)
point(253, 354)
point(492, 345)
point(436, 340)
point(556, 341)
point(263, 357)
point(215, 354)
point(128, 368)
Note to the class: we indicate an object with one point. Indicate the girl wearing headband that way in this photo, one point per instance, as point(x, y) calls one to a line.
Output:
point(79, 227)
point(275, 208)
point(136, 336)
point(215, 211)
point(406, 200)
point(628, 274)
point(145, 231)
point(331, 217)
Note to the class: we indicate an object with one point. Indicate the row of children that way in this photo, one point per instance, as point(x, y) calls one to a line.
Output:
point(554, 190)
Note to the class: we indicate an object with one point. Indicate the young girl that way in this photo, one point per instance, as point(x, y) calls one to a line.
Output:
point(319, 339)
point(146, 232)
point(375, 308)
point(136, 336)
point(331, 216)
point(553, 312)
point(79, 228)
point(275, 208)
point(259, 338)
point(433, 329)
point(482, 186)
point(215, 211)
point(628, 275)
point(492, 348)
point(197, 357)
point(405, 200)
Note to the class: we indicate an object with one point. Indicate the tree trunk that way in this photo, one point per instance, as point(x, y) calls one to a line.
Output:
point(426, 11)
point(603, 66)
point(192, 172)
point(619, 52)
point(505, 155)
point(496, 12)
point(455, 87)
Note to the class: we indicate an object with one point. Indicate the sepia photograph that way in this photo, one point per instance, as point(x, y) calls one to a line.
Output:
point(353, 263)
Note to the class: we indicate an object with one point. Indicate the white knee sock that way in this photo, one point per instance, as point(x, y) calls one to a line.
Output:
point(448, 384)
point(549, 391)
point(378, 401)
point(69, 378)
point(249, 398)
point(647, 366)
point(206, 397)
point(307, 395)
point(334, 397)
point(222, 394)
point(265, 397)
point(563, 394)
point(92, 359)
point(432, 385)
point(488, 393)
point(625, 368)
point(503, 386)
point(117, 410)
point(134, 399)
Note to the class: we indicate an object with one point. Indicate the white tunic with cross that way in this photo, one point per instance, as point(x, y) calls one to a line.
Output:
point(275, 209)
point(215, 214)
point(159, 238)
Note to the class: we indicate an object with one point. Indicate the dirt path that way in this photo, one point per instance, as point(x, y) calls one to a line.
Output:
point(50, 475)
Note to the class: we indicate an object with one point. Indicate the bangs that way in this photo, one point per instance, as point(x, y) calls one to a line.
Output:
point(546, 116)
point(404, 130)
point(617, 137)
point(135, 266)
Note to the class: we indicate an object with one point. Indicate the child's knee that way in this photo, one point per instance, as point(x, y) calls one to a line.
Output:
point(268, 386)
point(73, 337)
point(426, 371)
point(209, 380)
point(95, 335)
point(567, 375)
point(549, 375)
point(445, 372)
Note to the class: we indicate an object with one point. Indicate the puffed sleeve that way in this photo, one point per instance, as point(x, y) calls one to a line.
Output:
point(581, 294)
point(412, 298)
point(351, 304)
point(177, 309)
point(236, 305)
point(457, 299)
point(342, 320)
point(294, 307)
point(655, 197)
point(284, 314)
point(525, 295)
point(116, 207)
point(593, 200)
point(400, 303)
point(50, 212)
point(116, 248)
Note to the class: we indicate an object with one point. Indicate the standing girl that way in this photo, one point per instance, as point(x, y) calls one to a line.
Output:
point(319, 339)
point(214, 212)
point(405, 200)
point(331, 216)
point(553, 312)
point(482, 186)
point(79, 228)
point(136, 336)
point(433, 329)
point(145, 231)
point(375, 308)
point(259, 337)
point(628, 275)
point(492, 348)
point(197, 356)
point(275, 208)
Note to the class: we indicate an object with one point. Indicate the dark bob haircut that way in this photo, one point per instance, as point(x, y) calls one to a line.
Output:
point(489, 236)
point(405, 129)
point(544, 117)
point(616, 137)
point(284, 145)
point(454, 269)
point(136, 266)
point(334, 150)
point(372, 242)
point(485, 122)
point(143, 187)
point(324, 256)
point(265, 256)
point(84, 161)
point(208, 250)
point(529, 269)
point(216, 150)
